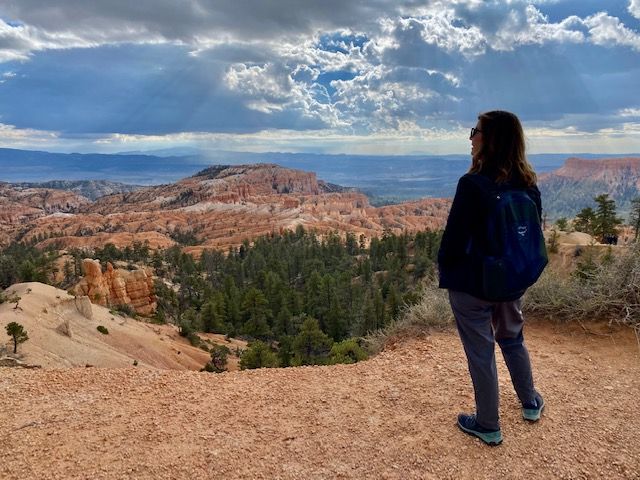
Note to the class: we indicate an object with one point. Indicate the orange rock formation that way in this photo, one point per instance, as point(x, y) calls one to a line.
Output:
point(609, 170)
point(117, 287)
point(220, 207)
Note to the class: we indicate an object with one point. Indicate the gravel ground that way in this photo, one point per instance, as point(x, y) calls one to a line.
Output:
point(392, 417)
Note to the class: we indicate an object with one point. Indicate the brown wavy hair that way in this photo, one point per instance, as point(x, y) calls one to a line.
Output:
point(503, 149)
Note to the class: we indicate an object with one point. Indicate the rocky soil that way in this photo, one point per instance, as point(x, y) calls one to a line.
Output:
point(390, 417)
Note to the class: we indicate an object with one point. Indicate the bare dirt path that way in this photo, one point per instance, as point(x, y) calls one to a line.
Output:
point(390, 417)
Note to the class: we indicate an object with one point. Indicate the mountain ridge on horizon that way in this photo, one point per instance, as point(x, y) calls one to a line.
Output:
point(386, 180)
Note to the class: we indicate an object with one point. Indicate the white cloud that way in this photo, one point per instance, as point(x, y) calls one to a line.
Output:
point(13, 137)
point(607, 30)
point(634, 8)
point(409, 138)
point(397, 66)
point(629, 112)
point(270, 88)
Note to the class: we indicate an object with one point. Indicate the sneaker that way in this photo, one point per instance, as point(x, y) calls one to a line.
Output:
point(468, 424)
point(532, 411)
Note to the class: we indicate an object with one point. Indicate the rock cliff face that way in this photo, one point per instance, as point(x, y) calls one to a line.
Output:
point(117, 287)
point(220, 207)
point(573, 186)
point(24, 204)
point(613, 171)
point(91, 189)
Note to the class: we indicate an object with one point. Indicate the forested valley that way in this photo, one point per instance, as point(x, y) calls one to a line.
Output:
point(298, 298)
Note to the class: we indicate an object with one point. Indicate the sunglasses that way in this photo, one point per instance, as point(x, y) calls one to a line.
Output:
point(474, 130)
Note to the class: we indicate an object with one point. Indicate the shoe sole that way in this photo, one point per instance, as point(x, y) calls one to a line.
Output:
point(492, 439)
point(532, 414)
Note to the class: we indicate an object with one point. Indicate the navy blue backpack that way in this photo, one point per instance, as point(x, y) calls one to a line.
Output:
point(513, 253)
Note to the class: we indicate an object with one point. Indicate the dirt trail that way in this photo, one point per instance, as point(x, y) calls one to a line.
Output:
point(390, 417)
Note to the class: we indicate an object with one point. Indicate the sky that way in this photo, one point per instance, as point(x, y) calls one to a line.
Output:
point(324, 76)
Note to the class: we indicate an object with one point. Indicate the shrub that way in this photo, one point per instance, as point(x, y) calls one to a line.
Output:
point(432, 311)
point(218, 363)
point(194, 339)
point(347, 351)
point(102, 329)
point(125, 309)
point(258, 355)
point(607, 290)
point(209, 368)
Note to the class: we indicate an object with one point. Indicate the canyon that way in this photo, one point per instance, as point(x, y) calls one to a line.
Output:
point(217, 208)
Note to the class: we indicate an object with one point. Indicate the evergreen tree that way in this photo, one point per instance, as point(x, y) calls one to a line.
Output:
point(285, 350)
point(380, 310)
point(255, 311)
point(585, 221)
point(606, 220)
point(219, 358)
point(367, 317)
point(351, 244)
point(311, 346)
point(334, 320)
point(394, 302)
point(634, 216)
point(258, 355)
point(562, 224)
point(212, 320)
point(69, 276)
point(8, 271)
point(312, 295)
point(283, 324)
point(232, 302)
point(27, 272)
point(18, 334)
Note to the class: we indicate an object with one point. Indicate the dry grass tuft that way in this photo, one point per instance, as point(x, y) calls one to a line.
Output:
point(607, 290)
point(433, 312)
point(600, 289)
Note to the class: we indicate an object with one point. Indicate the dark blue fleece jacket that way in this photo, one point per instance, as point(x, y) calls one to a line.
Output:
point(467, 219)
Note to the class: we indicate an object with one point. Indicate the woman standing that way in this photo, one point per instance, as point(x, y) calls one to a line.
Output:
point(498, 161)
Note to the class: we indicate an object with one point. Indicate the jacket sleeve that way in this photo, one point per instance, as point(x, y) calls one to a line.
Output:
point(457, 232)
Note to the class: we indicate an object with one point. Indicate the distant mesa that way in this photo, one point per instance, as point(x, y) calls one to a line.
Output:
point(604, 168)
point(573, 186)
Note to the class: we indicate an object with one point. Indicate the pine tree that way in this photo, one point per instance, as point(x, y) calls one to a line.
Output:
point(394, 302)
point(212, 321)
point(585, 221)
point(68, 273)
point(232, 302)
point(311, 346)
point(219, 357)
point(258, 355)
point(18, 333)
point(255, 310)
point(634, 216)
point(335, 324)
point(606, 220)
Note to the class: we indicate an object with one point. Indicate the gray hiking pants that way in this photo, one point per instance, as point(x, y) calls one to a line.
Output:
point(480, 323)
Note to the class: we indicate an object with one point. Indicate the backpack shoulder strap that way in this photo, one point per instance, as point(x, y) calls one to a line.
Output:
point(487, 186)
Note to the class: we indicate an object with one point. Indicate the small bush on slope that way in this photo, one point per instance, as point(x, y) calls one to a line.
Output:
point(102, 329)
